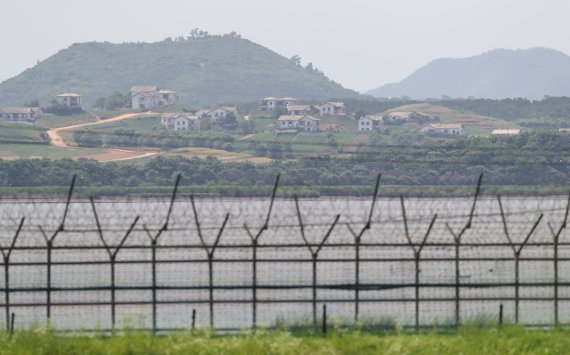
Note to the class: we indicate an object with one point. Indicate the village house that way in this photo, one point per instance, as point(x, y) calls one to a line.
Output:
point(564, 130)
point(297, 123)
point(270, 104)
point(21, 114)
point(506, 132)
point(181, 122)
point(299, 110)
point(450, 129)
point(332, 109)
point(371, 124)
point(150, 97)
point(69, 99)
point(218, 114)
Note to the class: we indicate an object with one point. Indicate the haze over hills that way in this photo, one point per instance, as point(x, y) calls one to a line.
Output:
point(531, 73)
point(205, 70)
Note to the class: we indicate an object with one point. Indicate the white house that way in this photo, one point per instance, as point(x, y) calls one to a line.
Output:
point(218, 114)
point(270, 104)
point(180, 122)
point(371, 124)
point(167, 98)
point(20, 114)
point(506, 132)
point(332, 109)
point(450, 129)
point(69, 99)
point(298, 123)
point(150, 97)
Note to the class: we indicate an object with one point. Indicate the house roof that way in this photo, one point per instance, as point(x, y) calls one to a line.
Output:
point(296, 118)
point(15, 110)
point(506, 132)
point(174, 116)
point(335, 104)
point(298, 107)
point(148, 88)
point(68, 94)
point(447, 126)
point(280, 98)
point(290, 117)
point(167, 92)
point(373, 118)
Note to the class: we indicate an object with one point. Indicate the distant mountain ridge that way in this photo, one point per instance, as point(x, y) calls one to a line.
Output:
point(213, 69)
point(502, 73)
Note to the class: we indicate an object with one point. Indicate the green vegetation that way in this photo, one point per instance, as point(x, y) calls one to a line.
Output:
point(551, 112)
point(22, 133)
point(534, 159)
point(204, 69)
point(53, 121)
point(508, 340)
point(114, 102)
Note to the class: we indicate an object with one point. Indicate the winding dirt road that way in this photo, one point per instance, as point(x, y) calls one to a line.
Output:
point(56, 140)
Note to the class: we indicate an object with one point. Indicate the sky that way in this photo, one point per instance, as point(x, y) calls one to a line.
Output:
point(361, 44)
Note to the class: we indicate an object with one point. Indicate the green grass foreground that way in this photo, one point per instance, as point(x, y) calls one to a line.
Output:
point(465, 341)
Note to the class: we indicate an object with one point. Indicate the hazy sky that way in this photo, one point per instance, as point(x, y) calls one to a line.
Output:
point(359, 43)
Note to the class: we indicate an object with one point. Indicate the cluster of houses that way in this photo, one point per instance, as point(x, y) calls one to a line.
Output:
point(31, 114)
point(298, 117)
point(190, 122)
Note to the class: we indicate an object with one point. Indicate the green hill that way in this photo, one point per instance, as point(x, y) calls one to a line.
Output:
point(209, 70)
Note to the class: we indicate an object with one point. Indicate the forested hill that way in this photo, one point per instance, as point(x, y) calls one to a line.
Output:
point(204, 70)
point(532, 73)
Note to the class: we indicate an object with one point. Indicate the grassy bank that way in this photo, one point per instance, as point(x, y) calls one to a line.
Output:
point(464, 341)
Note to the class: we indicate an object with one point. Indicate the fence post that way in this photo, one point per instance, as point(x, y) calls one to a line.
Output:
point(357, 242)
point(254, 243)
point(417, 256)
point(314, 254)
point(516, 252)
point(6, 256)
point(210, 256)
point(193, 320)
point(324, 320)
point(112, 256)
point(501, 315)
point(556, 238)
point(457, 241)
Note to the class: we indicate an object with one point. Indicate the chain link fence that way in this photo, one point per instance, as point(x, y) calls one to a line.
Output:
point(241, 263)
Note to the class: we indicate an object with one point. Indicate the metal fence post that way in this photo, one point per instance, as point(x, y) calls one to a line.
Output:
point(6, 256)
point(556, 239)
point(516, 251)
point(357, 241)
point(210, 256)
point(457, 241)
point(314, 254)
point(254, 243)
point(417, 255)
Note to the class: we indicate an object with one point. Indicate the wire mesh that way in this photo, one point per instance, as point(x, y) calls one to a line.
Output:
point(99, 264)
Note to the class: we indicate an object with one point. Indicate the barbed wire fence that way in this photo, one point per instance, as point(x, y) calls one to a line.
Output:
point(187, 261)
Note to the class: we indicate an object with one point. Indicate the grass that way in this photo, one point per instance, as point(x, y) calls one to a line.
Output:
point(508, 340)
point(27, 151)
point(21, 132)
point(52, 121)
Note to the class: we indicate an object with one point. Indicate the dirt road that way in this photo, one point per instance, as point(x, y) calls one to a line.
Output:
point(56, 140)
